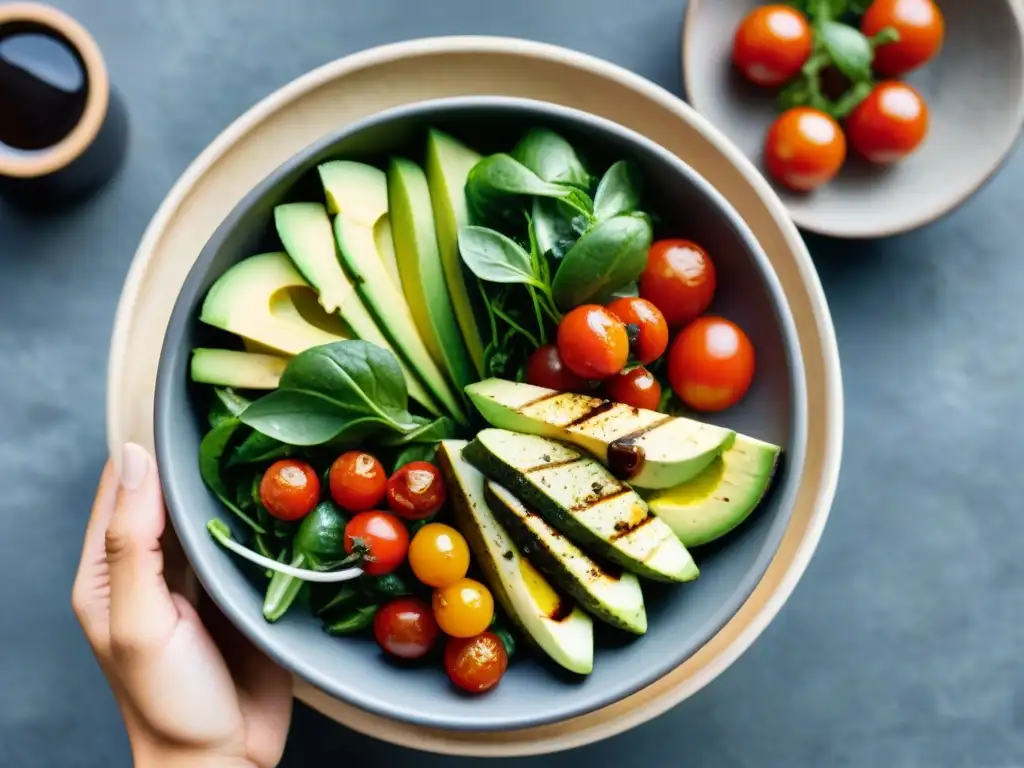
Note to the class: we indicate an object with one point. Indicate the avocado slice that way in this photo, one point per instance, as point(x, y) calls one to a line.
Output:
point(448, 164)
point(264, 298)
point(559, 628)
point(647, 448)
point(305, 231)
point(419, 264)
point(604, 591)
point(584, 501)
point(722, 496)
point(234, 368)
point(358, 192)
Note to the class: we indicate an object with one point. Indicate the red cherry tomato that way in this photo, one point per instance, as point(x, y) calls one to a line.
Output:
point(679, 280)
point(637, 388)
point(652, 338)
point(771, 45)
point(381, 537)
point(475, 664)
point(358, 481)
point(545, 368)
point(416, 490)
point(889, 124)
point(921, 29)
point(406, 628)
point(592, 342)
point(289, 489)
point(711, 364)
point(805, 148)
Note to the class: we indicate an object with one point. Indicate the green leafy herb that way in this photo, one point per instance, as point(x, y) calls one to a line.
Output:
point(339, 597)
point(497, 183)
point(258, 447)
point(610, 256)
point(551, 157)
point(552, 229)
point(493, 257)
point(211, 454)
point(356, 621)
point(415, 452)
point(848, 49)
point(388, 585)
point(617, 193)
point(441, 428)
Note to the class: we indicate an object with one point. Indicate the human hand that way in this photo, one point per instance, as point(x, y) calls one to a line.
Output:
point(192, 691)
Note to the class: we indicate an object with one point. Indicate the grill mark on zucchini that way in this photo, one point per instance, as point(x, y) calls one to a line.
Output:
point(597, 410)
point(598, 568)
point(623, 529)
point(595, 499)
point(553, 464)
point(562, 611)
point(540, 399)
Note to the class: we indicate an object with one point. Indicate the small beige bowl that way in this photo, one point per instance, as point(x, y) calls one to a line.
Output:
point(975, 95)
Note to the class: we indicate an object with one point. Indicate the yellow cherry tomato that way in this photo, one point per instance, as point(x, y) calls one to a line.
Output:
point(438, 555)
point(463, 609)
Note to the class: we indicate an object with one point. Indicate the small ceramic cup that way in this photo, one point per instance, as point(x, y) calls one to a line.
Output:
point(63, 130)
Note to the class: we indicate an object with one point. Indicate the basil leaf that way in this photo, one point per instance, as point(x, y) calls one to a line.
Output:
point(553, 230)
point(495, 258)
point(258, 447)
point(356, 621)
point(610, 256)
point(439, 429)
point(415, 452)
point(211, 453)
point(495, 183)
point(617, 193)
point(849, 50)
point(551, 157)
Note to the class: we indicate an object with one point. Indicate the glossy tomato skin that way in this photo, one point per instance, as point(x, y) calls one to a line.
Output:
point(382, 536)
point(890, 124)
point(921, 29)
point(544, 368)
point(289, 489)
point(464, 608)
point(416, 491)
point(475, 664)
point(679, 280)
point(652, 337)
point(358, 481)
point(405, 628)
point(592, 342)
point(637, 388)
point(438, 555)
point(771, 45)
point(711, 364)
point(804, 149)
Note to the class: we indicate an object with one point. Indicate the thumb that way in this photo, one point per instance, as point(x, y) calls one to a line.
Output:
point(142, 614)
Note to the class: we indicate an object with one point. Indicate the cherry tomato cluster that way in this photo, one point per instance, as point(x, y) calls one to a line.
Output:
point(408, 627)
point(883, 121)
point(710, 360)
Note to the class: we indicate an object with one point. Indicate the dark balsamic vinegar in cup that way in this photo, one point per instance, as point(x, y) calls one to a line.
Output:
point(43, 88)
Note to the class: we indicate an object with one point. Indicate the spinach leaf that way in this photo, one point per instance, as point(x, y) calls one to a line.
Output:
point(553, 230)
point(439, 429)
point(330, 597)
point(610, 256)
point(617, 193)
point(849, 50)
point(211, 454)
point(415, 452)
point(326, 389)
point(551, 157)
point(495, 183)
point(626, 291)
point(226, 403)
point(356, 621)
point(495, 258)
point(258, 447)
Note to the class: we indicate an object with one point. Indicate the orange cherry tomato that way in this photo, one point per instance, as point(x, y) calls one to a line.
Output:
point(711, 364)
point(592, 342)
point(416, 491)
point(358, 481)
point(290, 489)
point(652, 329)
point(544, 368)
point(475, 664)
point(805, 148)
point(889, 124)
point(637, 388)
point(679, 280)
point(406, 628)
point(438, 555)
point(921, 30)
point(464, 608)
point(381, 537)
point(771, 45)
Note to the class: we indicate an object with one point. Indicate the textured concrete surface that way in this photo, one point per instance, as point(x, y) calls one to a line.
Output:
point(902, 647)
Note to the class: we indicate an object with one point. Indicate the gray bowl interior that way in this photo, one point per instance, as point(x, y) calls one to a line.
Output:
point(681, 618)
point(974, 90)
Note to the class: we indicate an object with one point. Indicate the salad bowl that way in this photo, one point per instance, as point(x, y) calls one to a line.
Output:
point(681, 618)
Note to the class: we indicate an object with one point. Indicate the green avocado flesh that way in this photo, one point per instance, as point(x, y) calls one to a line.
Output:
point(607, 593)
point(584, 501)
point(557, 627)
point(234, 368)
point(672, 449)
point(722, 496)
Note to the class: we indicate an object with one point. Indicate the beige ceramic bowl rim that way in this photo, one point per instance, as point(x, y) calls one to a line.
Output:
point(562, 736)
point(953, 202)
point(72, 146)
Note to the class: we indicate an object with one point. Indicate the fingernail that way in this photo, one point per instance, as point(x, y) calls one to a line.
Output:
point(134, 466)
